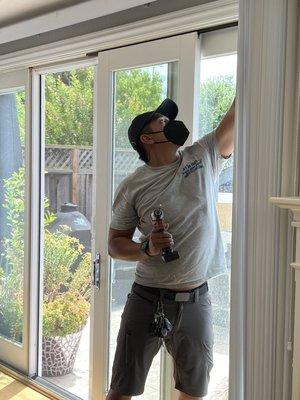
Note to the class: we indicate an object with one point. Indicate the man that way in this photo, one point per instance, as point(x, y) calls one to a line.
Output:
point(184, 184)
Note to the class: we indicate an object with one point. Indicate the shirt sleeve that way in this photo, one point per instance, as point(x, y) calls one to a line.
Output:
point(124, 215)
point(209, 143)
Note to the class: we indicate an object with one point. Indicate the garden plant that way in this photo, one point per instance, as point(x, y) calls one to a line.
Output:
point(66, 294)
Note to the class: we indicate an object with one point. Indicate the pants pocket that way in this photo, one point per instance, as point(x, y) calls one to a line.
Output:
point(128, 350)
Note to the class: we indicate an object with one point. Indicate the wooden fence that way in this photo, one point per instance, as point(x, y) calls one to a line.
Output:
point(69, 174)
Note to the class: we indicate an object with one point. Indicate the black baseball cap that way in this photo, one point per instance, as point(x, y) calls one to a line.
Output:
point(168, 108)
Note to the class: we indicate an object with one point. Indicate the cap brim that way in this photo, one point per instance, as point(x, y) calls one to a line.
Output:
point(168, 108)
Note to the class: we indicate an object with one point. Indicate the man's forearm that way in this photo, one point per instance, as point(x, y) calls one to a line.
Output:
point(225, 132)
point(123, 248)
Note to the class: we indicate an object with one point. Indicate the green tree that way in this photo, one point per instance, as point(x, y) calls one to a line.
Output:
point(137, 90)
point(69, 103)
point(216, 96)
point(20, 102)
point(69, 107)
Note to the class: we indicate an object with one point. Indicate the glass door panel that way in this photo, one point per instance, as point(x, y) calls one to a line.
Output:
point(67, 157)
point(217, 91)
point(14, 227)
point(148, 85)
point(132, 80)
point(12, 201)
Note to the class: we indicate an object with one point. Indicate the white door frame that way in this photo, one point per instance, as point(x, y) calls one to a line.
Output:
point(12, 353)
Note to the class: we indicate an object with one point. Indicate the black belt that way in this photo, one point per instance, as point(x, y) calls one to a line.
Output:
point(154, 294)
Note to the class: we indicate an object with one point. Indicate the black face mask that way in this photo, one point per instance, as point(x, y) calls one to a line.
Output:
point(175, 131)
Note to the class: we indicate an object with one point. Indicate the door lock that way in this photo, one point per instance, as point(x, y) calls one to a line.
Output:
point(96, 272)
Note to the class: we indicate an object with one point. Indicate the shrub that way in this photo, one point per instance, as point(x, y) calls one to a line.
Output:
point(66, 294)
point(66, 314)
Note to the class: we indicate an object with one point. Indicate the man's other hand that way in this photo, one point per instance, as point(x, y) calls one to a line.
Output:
point(159, 239)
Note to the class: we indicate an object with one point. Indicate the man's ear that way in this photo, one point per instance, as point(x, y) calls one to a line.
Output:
point(144, 139)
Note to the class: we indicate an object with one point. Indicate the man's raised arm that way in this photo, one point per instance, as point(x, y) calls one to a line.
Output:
point(225, 132)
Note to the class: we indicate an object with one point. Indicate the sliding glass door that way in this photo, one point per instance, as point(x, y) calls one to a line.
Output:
point(78, 154)
point(150, 84)
point(14, 219)
point(133, 80)
point(67, 207)
point(201, 79)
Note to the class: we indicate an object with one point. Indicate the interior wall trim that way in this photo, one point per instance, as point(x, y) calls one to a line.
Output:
point(267, 153)
point(215, 13)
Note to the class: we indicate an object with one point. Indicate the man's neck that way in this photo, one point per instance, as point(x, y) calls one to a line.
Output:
point(162, 159)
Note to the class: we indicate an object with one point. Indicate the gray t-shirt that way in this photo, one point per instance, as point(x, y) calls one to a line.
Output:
point(187, 191)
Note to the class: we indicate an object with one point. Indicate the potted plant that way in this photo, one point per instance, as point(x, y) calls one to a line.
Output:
point(66, 300)
point(66, 294)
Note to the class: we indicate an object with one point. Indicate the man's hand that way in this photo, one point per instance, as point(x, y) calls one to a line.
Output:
point(159, 238)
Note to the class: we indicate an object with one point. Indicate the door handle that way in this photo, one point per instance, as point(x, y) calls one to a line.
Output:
point(96, 272)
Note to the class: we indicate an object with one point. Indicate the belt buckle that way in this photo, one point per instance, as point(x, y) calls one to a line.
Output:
point(182, 296)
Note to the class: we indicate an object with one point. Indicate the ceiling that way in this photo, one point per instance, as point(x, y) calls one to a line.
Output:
point(23, 18)
point(12, 11)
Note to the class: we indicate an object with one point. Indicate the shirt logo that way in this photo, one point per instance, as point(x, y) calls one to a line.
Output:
point(191, 167)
